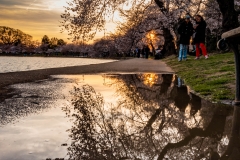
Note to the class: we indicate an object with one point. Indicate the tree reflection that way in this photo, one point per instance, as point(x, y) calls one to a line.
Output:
point(150, 121)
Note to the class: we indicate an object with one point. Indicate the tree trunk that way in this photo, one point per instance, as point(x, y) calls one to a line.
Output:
point(230, 16)
point(161, 5)
point(168, 44)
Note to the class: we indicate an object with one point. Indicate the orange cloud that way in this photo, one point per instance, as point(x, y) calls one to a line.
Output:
point(37, 18)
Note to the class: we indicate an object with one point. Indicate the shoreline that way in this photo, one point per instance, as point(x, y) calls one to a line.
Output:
point(134, 65)
point(212, 79)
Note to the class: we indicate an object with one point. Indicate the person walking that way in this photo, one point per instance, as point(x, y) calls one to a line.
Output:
point(199, 39)
point(185, 30)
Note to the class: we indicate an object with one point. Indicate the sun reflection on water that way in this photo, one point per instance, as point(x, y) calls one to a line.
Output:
point(149, 79)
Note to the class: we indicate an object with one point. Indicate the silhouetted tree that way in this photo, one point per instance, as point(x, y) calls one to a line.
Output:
point(45, 40)
point(61, 42)
point(13, 36)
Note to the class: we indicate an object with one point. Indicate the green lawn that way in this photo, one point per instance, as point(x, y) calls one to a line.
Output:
point(212, 78)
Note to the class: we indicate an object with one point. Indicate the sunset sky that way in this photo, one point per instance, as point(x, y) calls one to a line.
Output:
point(36, 17)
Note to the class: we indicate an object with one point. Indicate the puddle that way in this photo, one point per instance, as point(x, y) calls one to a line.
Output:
point(129, 116)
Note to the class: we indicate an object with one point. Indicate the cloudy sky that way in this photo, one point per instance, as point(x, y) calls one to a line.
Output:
point(35, 17)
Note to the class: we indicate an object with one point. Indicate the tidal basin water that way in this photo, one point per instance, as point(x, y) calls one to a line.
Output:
point(15, 64)
point(123, 116)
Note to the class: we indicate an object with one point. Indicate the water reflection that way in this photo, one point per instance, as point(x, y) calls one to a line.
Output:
point(159, 120)
point(28, 98)
point(32, 124)
point(149, 78)
point(232, 151)
point(134, 116)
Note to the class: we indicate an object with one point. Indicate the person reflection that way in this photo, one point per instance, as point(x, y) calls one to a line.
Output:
point(166, 83)
point(130, 130)
point(182, 98)
point(180, 82)
point(180, 94)
point(195, 103)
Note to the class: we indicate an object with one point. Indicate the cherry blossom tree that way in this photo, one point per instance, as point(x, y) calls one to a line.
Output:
point(83, 18)
point(140, 28)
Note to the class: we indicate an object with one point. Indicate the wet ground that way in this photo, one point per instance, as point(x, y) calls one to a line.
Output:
point(114, 116)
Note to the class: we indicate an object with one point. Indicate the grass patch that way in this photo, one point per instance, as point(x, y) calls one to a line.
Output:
point(210, 78)
point(227, 68)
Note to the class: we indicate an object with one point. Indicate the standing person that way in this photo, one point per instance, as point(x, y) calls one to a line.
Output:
point(146, 51)
point(141, 52)
point(185, 30)
point(137, 52)
point(199, 39)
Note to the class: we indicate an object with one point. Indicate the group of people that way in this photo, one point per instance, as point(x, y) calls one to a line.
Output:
point(187, 30)
point(160, 52)
point(145, 51)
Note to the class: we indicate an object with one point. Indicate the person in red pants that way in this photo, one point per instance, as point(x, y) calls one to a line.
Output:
point(199, 38)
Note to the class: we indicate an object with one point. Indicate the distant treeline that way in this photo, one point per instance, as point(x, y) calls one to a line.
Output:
point(13, 36)
point(15, 42)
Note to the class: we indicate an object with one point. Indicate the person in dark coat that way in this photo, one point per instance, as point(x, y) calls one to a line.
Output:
point(185, 30)
point(137, 52)
point(199, 39)
point(146, 51)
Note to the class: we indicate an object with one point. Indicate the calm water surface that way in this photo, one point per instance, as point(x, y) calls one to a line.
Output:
point(14, 64)
point(134, 116)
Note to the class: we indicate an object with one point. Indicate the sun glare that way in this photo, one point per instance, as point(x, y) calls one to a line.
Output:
point(149, 79)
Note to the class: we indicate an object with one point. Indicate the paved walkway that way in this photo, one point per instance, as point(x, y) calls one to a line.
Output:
point(135, 65)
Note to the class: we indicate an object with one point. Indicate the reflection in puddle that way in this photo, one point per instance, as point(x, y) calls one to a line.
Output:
point(135, 116)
